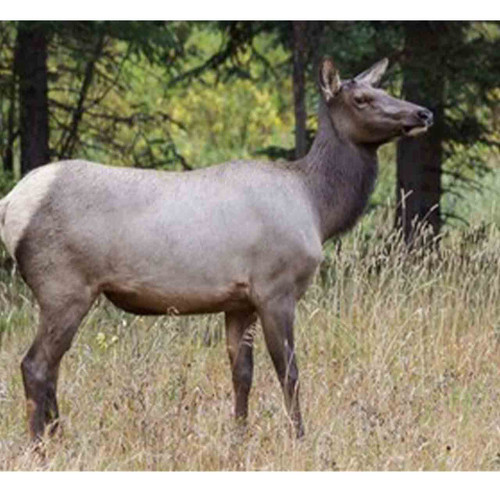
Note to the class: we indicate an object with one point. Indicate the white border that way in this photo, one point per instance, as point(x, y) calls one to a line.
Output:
point(253, 10)
point(249, 485)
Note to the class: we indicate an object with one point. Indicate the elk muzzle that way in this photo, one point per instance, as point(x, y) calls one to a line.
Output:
point(418, 123)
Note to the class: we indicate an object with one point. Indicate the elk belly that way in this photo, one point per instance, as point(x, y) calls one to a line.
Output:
point(139, 298)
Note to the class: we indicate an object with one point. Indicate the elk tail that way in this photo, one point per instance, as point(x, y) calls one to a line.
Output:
point(3, 211)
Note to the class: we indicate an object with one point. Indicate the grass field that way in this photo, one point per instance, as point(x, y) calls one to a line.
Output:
point(399, 360)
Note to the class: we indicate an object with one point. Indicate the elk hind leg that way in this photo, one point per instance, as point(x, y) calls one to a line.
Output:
point(40, 366)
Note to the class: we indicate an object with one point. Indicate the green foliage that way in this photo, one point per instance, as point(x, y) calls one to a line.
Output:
point(135, 114)
point(7, 182)
point(225, 120)
point(119, 121)
point(227, 116)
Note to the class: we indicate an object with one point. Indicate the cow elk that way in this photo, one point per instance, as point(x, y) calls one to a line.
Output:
point(243, 238)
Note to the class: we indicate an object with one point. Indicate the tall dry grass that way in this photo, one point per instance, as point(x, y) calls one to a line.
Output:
point(399, 362)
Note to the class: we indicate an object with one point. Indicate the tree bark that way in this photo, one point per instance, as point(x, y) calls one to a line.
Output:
point(31, 65)
point(419, 159)
point(299, 86)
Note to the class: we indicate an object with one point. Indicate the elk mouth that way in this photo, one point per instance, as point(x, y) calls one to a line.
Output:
point(414, 130)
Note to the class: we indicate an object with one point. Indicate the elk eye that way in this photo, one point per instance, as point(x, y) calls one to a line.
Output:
point(360, 101)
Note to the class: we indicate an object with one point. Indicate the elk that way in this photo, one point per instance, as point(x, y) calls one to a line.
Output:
point(243, 238)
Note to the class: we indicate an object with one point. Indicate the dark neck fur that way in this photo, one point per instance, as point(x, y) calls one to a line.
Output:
point(340, 176)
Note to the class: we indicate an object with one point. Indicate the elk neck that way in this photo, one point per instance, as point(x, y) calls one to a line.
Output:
point(339, 175)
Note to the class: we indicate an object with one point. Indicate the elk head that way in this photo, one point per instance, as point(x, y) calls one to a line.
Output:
point(365, 114)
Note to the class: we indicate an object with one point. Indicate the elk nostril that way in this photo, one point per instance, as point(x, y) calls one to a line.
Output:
point(425, 115)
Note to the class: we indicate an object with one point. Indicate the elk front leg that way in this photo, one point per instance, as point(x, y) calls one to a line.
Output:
point(240, 349)
point(277, 317)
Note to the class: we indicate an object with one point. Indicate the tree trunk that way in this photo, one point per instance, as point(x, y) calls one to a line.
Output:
point(299, 86)
point(419, 159)
point(31, 67)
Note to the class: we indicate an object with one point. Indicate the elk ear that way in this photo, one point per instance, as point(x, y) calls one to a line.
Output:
point(329, 79)
point(373, 75)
